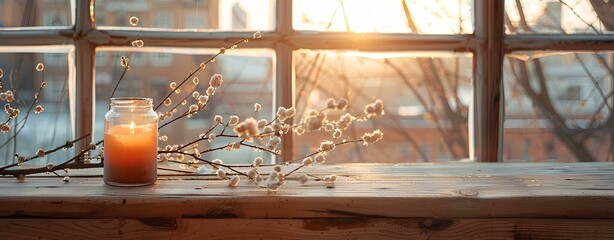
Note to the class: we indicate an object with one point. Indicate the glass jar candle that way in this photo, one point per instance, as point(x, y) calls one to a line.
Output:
point(130, 142)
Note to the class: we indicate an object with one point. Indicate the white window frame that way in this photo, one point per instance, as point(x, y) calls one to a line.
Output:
point(488, 44)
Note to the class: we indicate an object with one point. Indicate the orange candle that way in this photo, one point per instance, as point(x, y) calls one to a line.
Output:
point(130, 154)
point(130, 143)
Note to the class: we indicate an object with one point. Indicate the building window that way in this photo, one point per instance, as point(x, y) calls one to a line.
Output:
point(161, 59)
point(571, 93)
point(163, 20)
point(196, 20)
point(54, 18)
point(55, 59)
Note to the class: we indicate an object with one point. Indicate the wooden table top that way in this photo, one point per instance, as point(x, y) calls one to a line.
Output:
point(451, 190)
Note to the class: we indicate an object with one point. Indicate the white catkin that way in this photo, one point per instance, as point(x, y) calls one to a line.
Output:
point(234, 181)
point(258, 161)
point(221, 174)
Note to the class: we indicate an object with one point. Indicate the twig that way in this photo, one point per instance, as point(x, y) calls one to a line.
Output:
point(261, 148)
point(198, 69)
point(69, 164)
point(68, 144)
point(175, 170)
point(316, 152)
point(121, 77)
point(296, 169)
point(200, 139)
point(118, 82)
point(25, 119)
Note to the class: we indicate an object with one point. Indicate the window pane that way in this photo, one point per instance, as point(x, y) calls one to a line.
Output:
point(564, 16)
point(248, 77)
point(558, 106)
point(51, 127)
point(388, 16)
point(426, 98)
point(223, 15)
point(20, 13)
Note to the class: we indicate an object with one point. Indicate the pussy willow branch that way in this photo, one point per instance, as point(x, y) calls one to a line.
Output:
point(71, 164)
point(198, 69)
point(24, 120)
point(121, 77)
point(317, 152)
point(178, 86)
point(174, 170)
point(261, 148)
point(195, 165)
point(68, 144)
point(37, 95)
point(264, 134)
point(213, 164)
point(200, 139)
point(119, 81)
point(185, 114)
point(315, 177)
point(233, 167)
point(180, 103)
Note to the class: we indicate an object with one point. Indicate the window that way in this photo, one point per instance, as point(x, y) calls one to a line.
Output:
point(571, 93)
point(195, 20)
point(54, 18)
point(163, 20)
point(547, 77)
point(15, 14)
point(161, 59)
point(53, 126)
point(55, 59)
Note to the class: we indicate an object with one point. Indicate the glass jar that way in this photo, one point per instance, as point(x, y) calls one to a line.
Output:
point(130, 142)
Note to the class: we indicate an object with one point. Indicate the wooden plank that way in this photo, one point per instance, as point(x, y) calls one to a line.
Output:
point(352, 228)
point(579, 190)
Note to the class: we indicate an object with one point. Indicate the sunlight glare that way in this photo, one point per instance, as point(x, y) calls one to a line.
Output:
point(386, 16)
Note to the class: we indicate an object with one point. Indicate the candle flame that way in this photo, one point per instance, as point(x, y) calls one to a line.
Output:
point(131, 128)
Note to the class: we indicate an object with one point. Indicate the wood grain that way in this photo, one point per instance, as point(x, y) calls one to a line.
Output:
point(459, 190)
point(346, 228)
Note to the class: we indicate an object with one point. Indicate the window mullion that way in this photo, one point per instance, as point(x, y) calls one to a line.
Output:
point(284, 77)
point(84, 61)
point(380, 41)
point(561, 42)
point(488, 77)
point(122, 37)
point(35, 37)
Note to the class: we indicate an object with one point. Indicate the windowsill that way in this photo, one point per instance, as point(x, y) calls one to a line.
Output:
point(370, 201)
point(450, 190)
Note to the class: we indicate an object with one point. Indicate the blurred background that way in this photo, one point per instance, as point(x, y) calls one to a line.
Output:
point(557, 106)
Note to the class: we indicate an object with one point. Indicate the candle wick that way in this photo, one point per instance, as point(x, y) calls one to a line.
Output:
point(131, 128)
